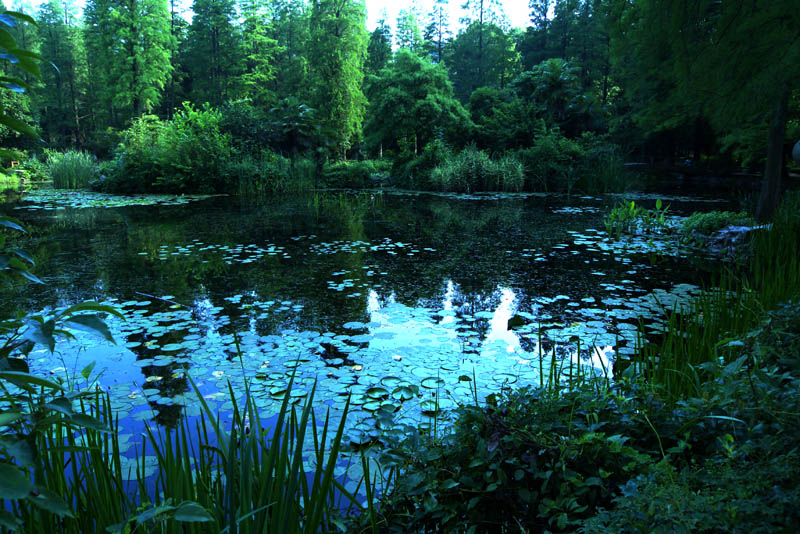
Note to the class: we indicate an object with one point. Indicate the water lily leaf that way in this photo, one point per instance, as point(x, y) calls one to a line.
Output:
point(191, 512)
point(13, 483)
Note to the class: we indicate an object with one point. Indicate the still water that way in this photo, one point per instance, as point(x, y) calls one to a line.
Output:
point(410, 303)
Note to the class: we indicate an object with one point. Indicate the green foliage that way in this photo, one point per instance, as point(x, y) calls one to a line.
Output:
point(713, 221)
point(268, 173)
point(336, 54)
point(775, 263)
point(411, 103)
point(552, 163)
point(71, 169)
point(472, 170)
point(416, 172)
point(630, 218)
point(128, 45)
point(215, 52)
point(184, 155)
point(355, 174)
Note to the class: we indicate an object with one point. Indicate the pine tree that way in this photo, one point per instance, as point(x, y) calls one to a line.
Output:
point(214, 52)
point(379, 48)
point(260, 51)
point(128, 44)
point(437, 32)
point(337, 51)
point(408, 34)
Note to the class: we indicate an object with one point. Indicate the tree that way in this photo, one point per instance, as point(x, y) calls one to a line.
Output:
point(337, 51)
point(128, 45)
point(290, 28)
point(214, 55)
point(379, 48)
point(412, 100)
point(62, 98)
point(470, 68)
point(437, 32)
point(260, 51)
point(732, 62)
point(408, 34)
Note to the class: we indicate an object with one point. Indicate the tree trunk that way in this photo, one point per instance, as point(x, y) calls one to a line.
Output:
point(771, 183)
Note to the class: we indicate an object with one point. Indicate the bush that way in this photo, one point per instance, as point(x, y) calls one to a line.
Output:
point(552, 163)
point(269, 173)
point(355, 174)
point(71, 169)
point(591, 164)
point(415, 173)
point(185, 155)
point(708, 223)
point(473, 170)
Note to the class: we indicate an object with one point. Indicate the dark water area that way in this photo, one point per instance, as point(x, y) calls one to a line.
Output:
point(411, 303)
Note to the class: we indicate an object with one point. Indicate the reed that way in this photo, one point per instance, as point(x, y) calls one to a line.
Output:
point(238, 479)
point(71, 169)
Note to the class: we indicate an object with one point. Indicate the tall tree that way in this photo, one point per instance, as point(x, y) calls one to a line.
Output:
point(496, 65)
point(479, 14)
point(61, 99)
point(214, 54)
point(437, 32)
point(337, 51)
point(290, 28)
point(260, 51)
point(408, 34)
point(129, 46)
point(379, 48)
point(411, 101)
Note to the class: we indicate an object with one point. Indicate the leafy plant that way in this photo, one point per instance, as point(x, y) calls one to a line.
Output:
point(629, 218)
point(710, 222)
point(71, 169)
point(473, 170)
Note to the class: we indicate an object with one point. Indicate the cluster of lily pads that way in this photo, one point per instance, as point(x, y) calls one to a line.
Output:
point(230, 254)
point(55, 199)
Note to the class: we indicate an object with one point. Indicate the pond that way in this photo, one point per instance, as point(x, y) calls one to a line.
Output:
point(410, 303)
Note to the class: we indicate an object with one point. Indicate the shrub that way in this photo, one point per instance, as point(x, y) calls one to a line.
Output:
point(552, 163)
point(708, 223)
point(355, 174)
point(415, 173)
point(71, 169)
point(269, 173)
point(474, 170)
point(185, 155)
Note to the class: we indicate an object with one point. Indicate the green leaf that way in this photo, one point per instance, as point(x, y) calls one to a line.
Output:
point(191, 512)
point(9, 416)
point(41, 332)
point(52, 502)
point(23, 379)
point(13, 483)
point(14, 224)
point(88, 421)
point(21, 16)
point(17, 125)
point(91, 305)
point(6, 40)
point(8, 521)
point(90, 323)
point(29, 275)
point(61, 405)
point(87, 371)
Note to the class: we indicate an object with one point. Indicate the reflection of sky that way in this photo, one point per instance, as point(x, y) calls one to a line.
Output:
point(499, 337)
point(398, 328)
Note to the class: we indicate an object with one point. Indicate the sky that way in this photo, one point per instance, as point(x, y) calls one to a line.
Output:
point(516, 10)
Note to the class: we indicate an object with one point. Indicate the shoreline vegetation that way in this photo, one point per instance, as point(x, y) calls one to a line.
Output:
point(694, 431)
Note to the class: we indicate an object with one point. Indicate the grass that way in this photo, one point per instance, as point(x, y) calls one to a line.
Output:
point(210, 478)
point(71, 169)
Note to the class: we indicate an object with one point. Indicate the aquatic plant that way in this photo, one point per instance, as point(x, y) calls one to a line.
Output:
point(473, 170)
point(628, 218)
point(71, 169)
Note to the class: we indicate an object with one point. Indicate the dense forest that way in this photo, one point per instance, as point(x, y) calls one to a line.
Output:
point(266, 269)
point(250, 92)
